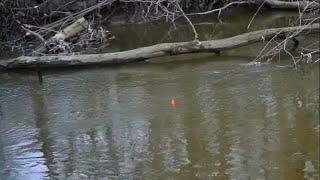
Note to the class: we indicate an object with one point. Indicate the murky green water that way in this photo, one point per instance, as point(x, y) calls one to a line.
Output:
point(230, 121)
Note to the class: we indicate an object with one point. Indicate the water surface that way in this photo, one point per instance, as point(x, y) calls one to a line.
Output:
point(230, 121)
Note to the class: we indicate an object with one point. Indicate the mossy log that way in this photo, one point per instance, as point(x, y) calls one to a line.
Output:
point(158, 50)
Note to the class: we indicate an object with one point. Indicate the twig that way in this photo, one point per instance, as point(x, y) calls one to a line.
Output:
point(192, 26)
point(35, 34)
point(255, 14)
point(219, 9)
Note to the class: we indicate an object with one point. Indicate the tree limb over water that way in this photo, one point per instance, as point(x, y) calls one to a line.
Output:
point(159, 50)
point(292, 4)
point(275, 4)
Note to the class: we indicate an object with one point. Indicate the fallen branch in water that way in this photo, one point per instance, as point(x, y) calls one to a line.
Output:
point(159, 50)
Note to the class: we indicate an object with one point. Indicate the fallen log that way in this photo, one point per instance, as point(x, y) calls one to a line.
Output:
point(158, 50)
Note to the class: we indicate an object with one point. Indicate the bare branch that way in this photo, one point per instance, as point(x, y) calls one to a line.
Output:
point(34, 33)
point(219, 9)
point(192, 26)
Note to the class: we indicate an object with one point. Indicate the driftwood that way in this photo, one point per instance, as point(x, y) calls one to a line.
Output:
point(158, 50)
point(68, 32)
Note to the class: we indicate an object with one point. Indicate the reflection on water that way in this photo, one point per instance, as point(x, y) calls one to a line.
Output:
point(231, 121)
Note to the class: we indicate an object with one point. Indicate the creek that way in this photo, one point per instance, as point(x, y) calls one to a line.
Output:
point(230, 120)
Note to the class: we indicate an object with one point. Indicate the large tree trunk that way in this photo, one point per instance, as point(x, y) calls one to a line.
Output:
point(158, 50)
